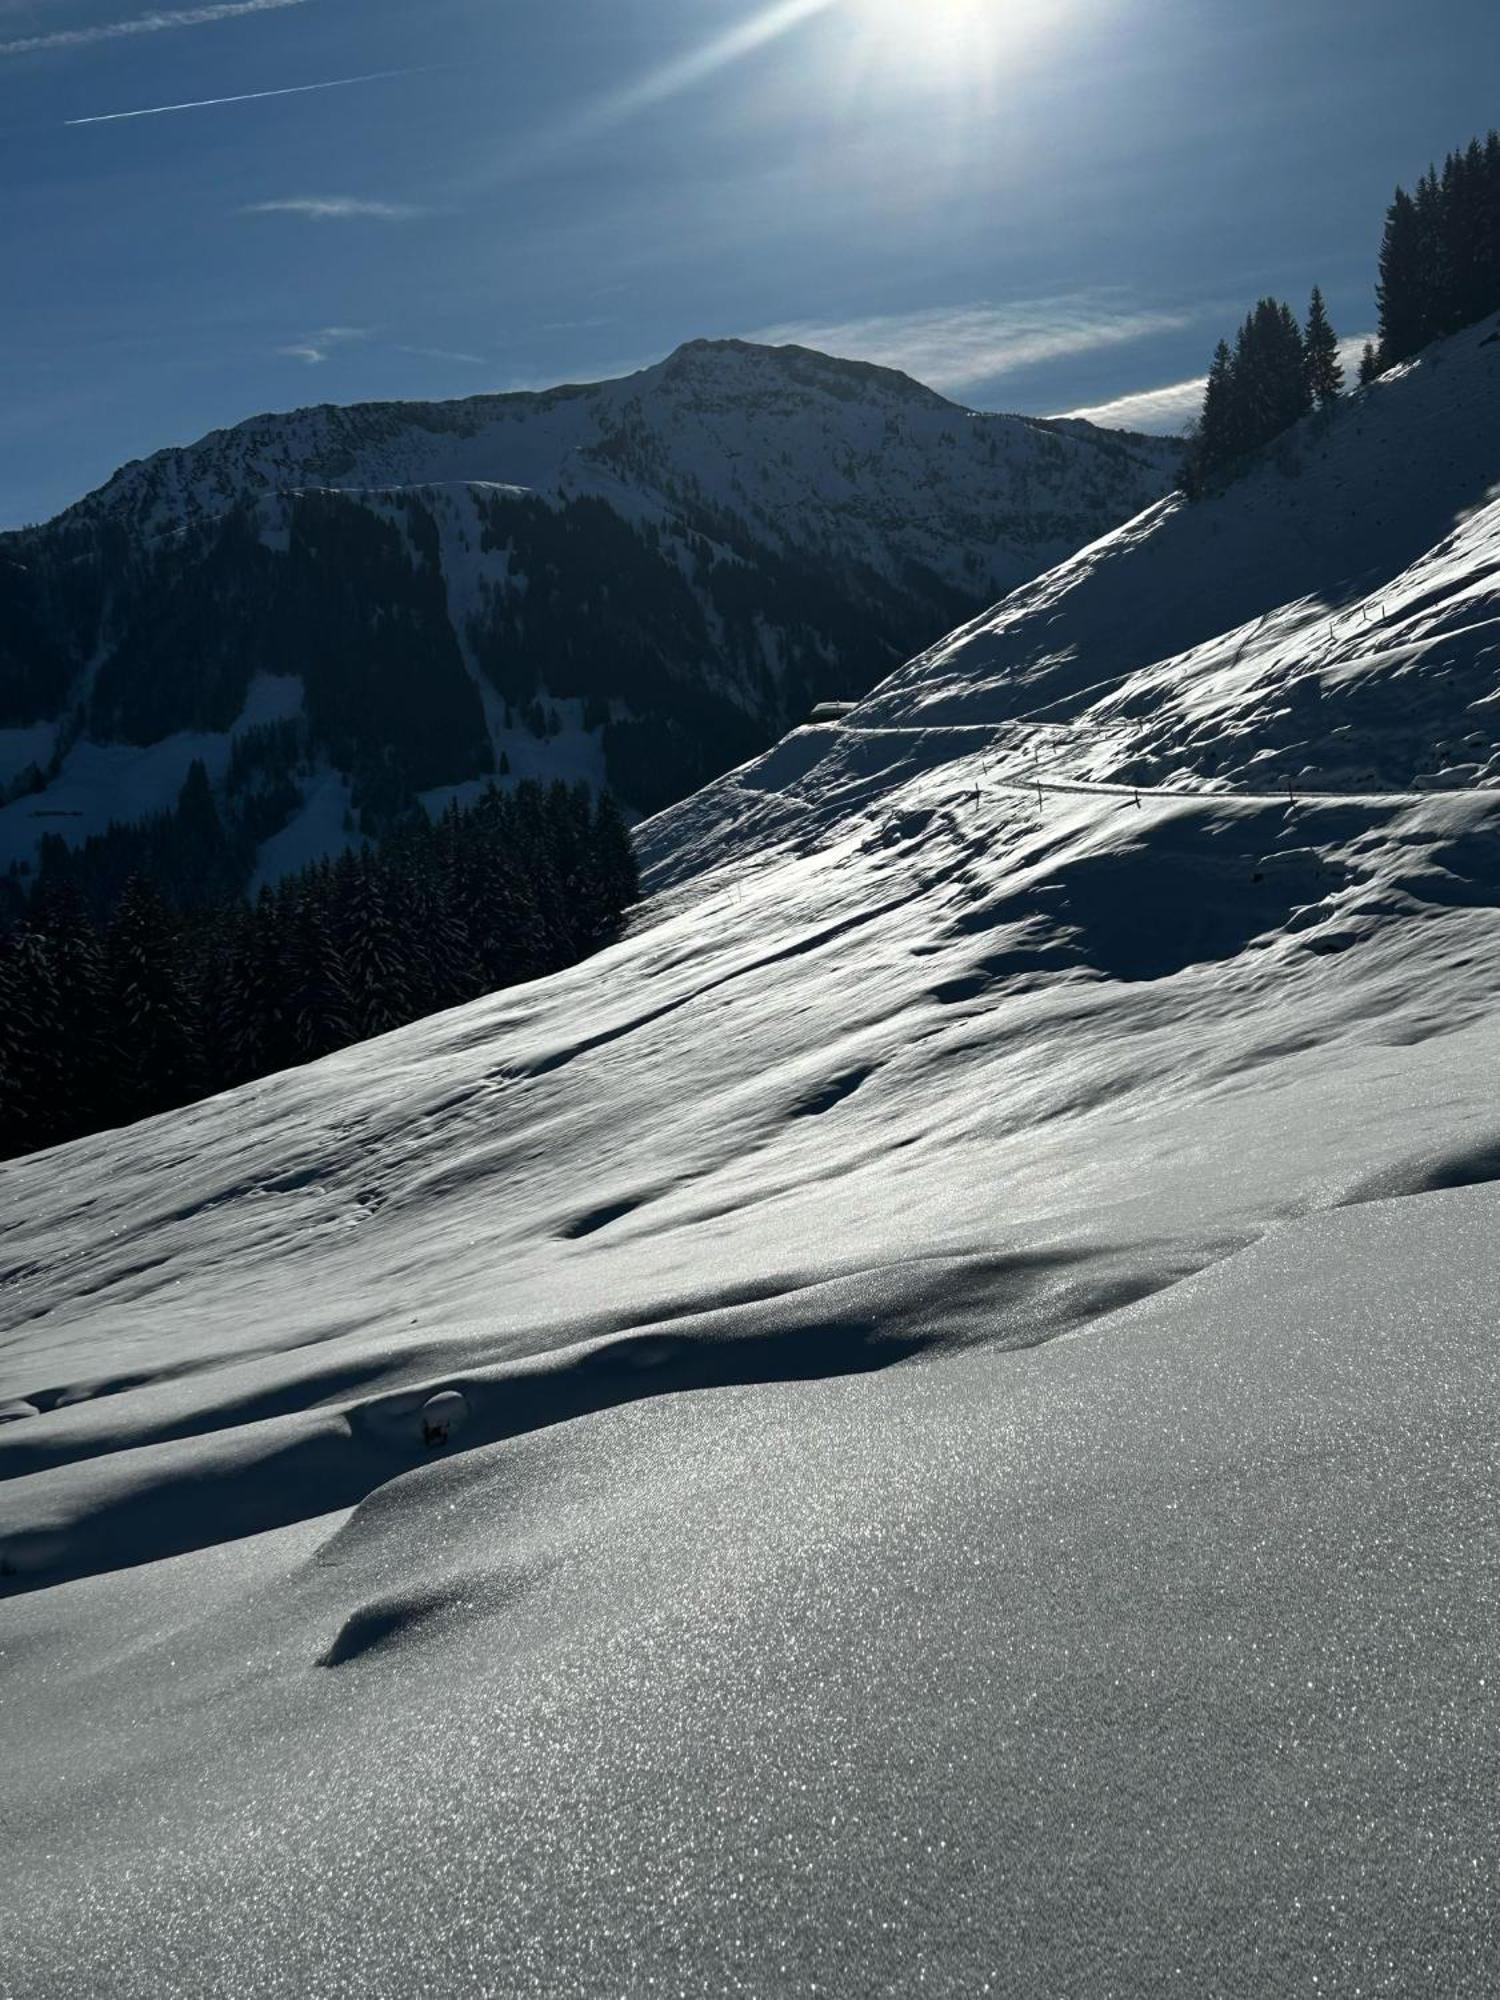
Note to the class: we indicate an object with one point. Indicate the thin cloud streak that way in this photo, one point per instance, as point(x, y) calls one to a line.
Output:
point(1165, 409)
point(962, 347)
point(319, 346)
point(245, 97)
point(337, 208)
point(315, 348)
point(143, 24)
point(445, 354)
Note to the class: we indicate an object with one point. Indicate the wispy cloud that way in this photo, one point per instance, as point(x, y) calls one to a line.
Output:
point(142, 24)
point(580, 325)
point(245, 97)
point(445, 354)
point(1174, 405)
point(315, 348)
point(324, 342)
point(1166, 408)
point(337, 208)
point(963, 347)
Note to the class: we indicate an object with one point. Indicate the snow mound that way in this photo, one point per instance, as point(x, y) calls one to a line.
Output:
point(1158, 1654)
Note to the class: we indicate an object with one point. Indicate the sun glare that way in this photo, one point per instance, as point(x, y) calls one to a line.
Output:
point(952, 43)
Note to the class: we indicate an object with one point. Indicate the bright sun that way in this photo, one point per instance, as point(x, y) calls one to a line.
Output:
point(944, 39)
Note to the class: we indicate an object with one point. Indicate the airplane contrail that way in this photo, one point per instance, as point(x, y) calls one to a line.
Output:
point(143, 24)
point(245, 97)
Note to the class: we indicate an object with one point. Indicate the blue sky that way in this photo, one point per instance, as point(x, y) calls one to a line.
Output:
point(1039, 205)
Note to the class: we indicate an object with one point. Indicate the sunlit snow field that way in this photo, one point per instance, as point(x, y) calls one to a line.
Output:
point(978, 1323)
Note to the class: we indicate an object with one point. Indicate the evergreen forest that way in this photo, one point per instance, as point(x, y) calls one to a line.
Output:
point(112, 1014)
point(1439, 272)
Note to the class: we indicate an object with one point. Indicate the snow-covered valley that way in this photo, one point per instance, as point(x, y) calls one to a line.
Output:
point(976, 1327)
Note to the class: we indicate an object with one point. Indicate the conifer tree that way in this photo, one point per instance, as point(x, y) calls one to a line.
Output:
point(1369, 365)
point(1255, 391)
point(153, 1027)
point(1487, 198)
point(79, 1026)
point(1399, 292)
point(32, 1107)
point(207, 868)
point(240, 995)
point(319, 1012)
point(1270, 374)
point(1325, 372)
point(371, 948)
point(1440, 258)
point(615, 855)
point(1212, 443)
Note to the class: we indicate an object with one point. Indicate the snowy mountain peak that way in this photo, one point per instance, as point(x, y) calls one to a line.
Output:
point(743, 365)
point(669, 426)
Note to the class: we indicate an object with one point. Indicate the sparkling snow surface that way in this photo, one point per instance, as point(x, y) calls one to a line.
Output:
point(978, 1330)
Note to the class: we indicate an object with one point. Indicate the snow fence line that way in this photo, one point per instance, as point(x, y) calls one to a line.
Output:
point(1294, 792)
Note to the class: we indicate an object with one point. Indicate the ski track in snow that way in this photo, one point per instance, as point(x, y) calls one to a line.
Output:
point(977, 1329)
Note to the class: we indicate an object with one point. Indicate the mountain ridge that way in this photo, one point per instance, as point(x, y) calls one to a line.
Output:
point(466, 416)
point(634, 583)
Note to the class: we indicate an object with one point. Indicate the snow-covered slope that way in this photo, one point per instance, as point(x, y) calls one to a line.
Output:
point(1334, 619)
point(976, 1328)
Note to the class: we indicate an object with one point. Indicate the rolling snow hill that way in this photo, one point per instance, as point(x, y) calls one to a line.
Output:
point(639, 582)
point(976, 1327)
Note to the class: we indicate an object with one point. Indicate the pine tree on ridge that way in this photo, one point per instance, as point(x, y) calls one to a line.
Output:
point(1325, 371)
